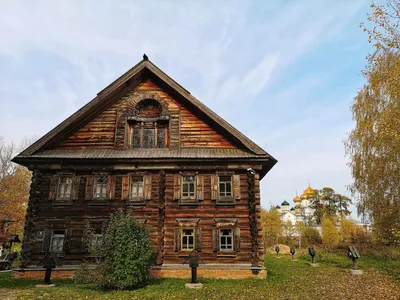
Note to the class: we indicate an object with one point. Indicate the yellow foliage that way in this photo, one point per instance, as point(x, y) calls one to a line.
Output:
point(330, 235)
point(347, 230)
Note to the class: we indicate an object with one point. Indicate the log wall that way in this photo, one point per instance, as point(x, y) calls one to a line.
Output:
point(162, 207)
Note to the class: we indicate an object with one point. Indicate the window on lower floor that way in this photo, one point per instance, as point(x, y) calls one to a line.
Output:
point(188, 239)
point(226, 239)
point(96, 241)
point(57, 241)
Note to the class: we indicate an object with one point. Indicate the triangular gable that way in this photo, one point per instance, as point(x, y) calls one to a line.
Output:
point(118, 88)
point(100, 132)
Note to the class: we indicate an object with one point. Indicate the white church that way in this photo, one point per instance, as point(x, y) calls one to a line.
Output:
point(301, 211)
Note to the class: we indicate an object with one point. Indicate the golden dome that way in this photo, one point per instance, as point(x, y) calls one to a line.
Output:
point(296, 199)
point(308, 193)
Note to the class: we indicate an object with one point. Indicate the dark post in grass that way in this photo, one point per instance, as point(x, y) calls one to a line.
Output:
point(311, 251)
point(49, 262)
point(293, 252)
point(194, 263)
point(277, 250)
point(353, 254)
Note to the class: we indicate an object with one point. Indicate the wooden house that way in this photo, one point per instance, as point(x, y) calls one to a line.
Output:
point(145, 142)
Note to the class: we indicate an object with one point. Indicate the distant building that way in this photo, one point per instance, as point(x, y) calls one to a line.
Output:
point(301, 211)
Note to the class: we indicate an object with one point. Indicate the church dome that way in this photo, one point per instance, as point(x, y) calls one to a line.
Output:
point(285, 203)
point(296, 199)
point(308, 193)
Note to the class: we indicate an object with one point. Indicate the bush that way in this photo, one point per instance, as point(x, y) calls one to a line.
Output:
point(330, 235)
point(126, 255)
point(311, 236)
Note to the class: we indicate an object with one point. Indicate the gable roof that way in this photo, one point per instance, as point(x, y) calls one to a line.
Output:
point(104, 97)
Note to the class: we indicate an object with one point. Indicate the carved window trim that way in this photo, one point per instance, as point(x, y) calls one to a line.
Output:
point(226, 224)
point(55, 186)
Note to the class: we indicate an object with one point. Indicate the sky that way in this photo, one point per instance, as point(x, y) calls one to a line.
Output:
point(283, 72)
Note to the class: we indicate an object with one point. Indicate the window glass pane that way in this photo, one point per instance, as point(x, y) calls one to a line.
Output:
point(148, 138)
point(64, 188)
point(228, 188)
point(57, 241)
point(136, 137)
point(136, 187)
point(187, 239)
point(225, 186)
point(188, 186)
point(222, 187)
point(100, 187)
point(160, 137)
point(226, 239)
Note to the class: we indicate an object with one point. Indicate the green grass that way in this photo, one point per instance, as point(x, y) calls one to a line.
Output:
point(286, 280)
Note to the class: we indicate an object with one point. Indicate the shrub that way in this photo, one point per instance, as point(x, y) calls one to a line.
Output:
point(126, 255)
point(330, 235)
point(311, 236)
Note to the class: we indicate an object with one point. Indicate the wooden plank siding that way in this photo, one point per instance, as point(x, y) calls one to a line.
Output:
point(107, 130)
point(73, 217)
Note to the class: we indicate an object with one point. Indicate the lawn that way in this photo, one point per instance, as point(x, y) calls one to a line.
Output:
point(286, 280)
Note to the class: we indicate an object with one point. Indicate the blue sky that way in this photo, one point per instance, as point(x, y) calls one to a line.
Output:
point(282, 72)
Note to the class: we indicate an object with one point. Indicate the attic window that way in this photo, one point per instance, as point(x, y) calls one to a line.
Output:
point(147, 128)
point(148, 135)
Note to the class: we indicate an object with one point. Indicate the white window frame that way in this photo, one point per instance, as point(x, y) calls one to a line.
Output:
point(61, 185)
point(225, 237)
point(188, 194)
point(101, 196)
point(225, 193)
point(186, 237)
point(60, 238)
point(136, 182)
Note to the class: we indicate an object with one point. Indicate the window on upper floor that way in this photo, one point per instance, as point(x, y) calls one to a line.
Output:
point(100, 187)
point(136, 188)
point(188, 187)
point(225, 186)
point(64, 189)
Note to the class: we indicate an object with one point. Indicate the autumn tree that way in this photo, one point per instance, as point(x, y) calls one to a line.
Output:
point(329, 204)
point(271, 225)
point(373, 146)
point(330, 235)
point(347, 230)
point(14, 186)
